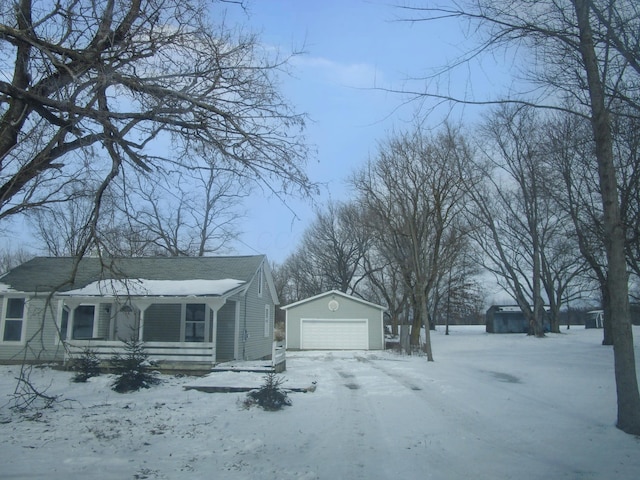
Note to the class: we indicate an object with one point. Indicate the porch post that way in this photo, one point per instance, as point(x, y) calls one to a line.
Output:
point(236, 341)
point(72, 304)
point(214, 333)
point(142, 306)
point(215, 304)
point(59, 322)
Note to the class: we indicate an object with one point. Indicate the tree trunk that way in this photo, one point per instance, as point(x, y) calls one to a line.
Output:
point(617, 281)
point(554, 320)
point(538, 303)
point(416, 325)
point(427, 329)
point(607, 336)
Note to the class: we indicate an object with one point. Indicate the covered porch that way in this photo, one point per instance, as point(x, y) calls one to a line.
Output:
point(179, 333)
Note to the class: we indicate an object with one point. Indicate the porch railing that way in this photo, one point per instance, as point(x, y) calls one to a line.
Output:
point(158, 351)
point(279, 357)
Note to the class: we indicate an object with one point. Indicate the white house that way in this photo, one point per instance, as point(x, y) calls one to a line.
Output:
point(190, 312)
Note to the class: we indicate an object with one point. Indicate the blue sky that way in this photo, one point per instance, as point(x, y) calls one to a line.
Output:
point(351, 46)
point(352, 49)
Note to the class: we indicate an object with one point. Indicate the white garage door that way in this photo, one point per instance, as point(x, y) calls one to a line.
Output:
point(346, 334)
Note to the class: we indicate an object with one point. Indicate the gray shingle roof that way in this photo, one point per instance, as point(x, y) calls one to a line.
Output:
point(46, 274)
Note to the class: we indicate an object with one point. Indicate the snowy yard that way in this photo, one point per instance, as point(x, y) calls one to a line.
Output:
point(489, 407)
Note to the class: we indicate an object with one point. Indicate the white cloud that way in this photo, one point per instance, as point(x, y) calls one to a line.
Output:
point(356, 75)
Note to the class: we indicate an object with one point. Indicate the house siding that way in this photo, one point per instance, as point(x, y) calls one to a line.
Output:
point(252, 307)
point(318, 308)
point(35, 310)
point(162, 323)
point(226, 332)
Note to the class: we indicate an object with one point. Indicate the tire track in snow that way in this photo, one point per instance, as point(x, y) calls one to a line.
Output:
point(359, 436)
point(456, 422)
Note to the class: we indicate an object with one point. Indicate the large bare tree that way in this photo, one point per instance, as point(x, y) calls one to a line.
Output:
point(585, 53)
point(188, 214)
point(105, 89)
point(413, 193)
point(574, 181)
point(523, 235)
point(516, 175)
point(101, 87)
point(336, 243)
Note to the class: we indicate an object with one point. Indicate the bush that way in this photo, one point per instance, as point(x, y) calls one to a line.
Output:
point(87, 365)
point(133, 369)
point(269, 396)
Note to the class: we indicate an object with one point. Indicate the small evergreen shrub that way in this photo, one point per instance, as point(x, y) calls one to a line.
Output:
point(87, 365)
point(270, 396)
point(133, 369)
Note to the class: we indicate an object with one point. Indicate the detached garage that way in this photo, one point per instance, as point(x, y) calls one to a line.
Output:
point(334, 321)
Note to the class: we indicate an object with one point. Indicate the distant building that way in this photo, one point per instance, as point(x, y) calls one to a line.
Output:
point(508, 319)
point(594, 319)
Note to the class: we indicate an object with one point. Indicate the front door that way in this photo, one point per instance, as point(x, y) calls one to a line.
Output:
point(126, 324)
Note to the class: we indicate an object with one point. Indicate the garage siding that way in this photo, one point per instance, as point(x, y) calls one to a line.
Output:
point(349, 309)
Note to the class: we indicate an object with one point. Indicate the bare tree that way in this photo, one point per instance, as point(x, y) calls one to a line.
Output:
point(573, 184)
point(385, 283)
point(151, 82)
point(331, 253)
point(335, 245)
point(627, 155)
point(300, 279)
point(188, 214)
point(413, 193)
point(99, 90)
point(10, 258)
point(573, 178)
point(63, 228)
point(508, 209)
point(614, 235)
point(459, 294)
point(584, 52)
point(525, 237)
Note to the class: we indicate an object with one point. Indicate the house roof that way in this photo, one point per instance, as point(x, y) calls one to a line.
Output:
point(154, 275)
point(334, 293)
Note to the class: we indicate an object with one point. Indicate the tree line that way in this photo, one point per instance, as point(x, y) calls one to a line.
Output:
point(553, 174)
point(514, 197)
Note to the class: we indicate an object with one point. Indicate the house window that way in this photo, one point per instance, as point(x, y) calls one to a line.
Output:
point(194, 322)
point(13, 320)
point(260, 280)
point(267, 320)
point(84, 322)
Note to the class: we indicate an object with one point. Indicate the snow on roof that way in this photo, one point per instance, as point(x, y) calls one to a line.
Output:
point(157, 288)
point(4, 288)
point(514, 308)
point(334, 293)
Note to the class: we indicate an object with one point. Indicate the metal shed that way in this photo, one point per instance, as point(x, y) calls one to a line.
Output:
point(508, 319)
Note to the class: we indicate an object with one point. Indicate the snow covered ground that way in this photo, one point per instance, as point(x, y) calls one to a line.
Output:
point(489, 407)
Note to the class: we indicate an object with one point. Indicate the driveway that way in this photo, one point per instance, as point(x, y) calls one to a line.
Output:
point(376, 416)
point(490, 407)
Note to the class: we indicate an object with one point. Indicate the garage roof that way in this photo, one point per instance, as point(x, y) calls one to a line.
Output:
point(334, 293)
